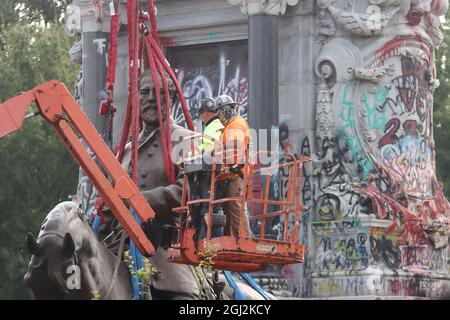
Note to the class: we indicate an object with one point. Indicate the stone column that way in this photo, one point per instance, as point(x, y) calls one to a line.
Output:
point(263, 112)
point(91, 19)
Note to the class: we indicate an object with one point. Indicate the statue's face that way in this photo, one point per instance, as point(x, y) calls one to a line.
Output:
point(148, 101)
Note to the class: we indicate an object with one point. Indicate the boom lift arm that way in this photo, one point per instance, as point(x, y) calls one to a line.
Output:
point(58, 107)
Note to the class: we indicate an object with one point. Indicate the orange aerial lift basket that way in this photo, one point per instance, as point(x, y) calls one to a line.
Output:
point(248, 252)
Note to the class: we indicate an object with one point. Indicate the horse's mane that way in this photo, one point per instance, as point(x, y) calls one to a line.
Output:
point(60, 216)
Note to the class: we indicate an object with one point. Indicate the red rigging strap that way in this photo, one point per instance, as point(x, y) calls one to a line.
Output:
point(133, 96)
point(133, 101)
point(169, 70)
point(167, 159)
point(151, 5)
point(133, 116)
point(129, 111)
point(112, 55)
point(168, 137)
point(141, 46)
point(125, 131)
point(107, 108)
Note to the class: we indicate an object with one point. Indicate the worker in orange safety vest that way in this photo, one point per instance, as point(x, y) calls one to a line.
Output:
point(235, 141)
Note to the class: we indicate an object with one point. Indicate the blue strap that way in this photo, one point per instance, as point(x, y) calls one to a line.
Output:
point(96, 224)
point(252, 283)
point(238, 295)
point(135, 256)
point(137, 263)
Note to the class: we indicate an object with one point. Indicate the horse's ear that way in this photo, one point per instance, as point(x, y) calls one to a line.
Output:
point(33, 247)
point(69, 245)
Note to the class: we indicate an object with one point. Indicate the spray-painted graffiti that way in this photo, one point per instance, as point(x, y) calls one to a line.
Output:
point(415, 257)
point(417, 287)
point(101, 45)
point(373, 154)
point(211, 70)
point(342, 254)
point(345, 226)
point(384, 139)
point(384, 286)
point(340, 286)
point(406, 145)
point(383, 250)
point(348, 135)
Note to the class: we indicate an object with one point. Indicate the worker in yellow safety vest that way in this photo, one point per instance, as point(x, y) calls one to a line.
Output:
point(211, 123)
point(199, 184)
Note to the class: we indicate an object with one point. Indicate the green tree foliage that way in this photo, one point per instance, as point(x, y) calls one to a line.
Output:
point(33, 55)
point(442, 110)
point(36, 171)
point(31, 11)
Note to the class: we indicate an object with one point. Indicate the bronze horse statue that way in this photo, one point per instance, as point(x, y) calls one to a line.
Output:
point(68, 250)
point(69, 262)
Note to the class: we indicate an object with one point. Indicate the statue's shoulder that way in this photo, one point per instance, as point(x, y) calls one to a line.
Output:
point(179, 131)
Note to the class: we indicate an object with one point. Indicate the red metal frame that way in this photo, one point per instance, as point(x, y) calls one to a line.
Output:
point(57, 106)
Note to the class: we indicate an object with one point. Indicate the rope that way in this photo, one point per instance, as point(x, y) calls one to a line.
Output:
point(116, 265)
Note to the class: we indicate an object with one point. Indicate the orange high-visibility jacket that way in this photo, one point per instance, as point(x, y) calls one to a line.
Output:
point(235, 141)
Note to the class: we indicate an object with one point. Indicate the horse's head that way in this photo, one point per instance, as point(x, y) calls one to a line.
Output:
point(64, 238)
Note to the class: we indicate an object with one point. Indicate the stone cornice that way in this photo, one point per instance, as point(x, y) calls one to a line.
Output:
point(272, 7)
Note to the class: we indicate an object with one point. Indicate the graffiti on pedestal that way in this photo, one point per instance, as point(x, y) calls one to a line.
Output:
point(381, 99)
point(348, 254)
point(375, 202)
point(209, 71)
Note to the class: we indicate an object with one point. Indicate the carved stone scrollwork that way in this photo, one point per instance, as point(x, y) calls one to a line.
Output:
point(327, 26)
point(324, 113)
point(367, 24)
point(273, 7)
point(336, 64)
point(73, 20)
point(342, 57)
point(373, 75)
point(76, 53)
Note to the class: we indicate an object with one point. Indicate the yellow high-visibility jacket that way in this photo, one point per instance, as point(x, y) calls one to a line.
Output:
point(213, 129)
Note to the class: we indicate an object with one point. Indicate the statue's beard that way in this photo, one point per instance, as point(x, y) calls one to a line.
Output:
point(150, 117)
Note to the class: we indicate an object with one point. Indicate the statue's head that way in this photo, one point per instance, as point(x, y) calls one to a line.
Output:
point(148, 98)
